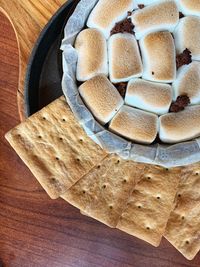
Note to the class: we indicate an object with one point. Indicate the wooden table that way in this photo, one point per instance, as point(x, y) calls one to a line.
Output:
point(37, 231)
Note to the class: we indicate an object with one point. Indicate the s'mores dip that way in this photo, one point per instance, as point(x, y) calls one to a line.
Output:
point(138, 69)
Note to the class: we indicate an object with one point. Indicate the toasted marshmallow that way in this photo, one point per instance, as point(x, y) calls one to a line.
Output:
point(135, 124)
point(187, 35)
point(181, 126)
point(188, 82)
point(161, 16)
point(124, 58)
point(159, 57)
point(91, 63)
point(149, 96)
point(101, 97)
point(189, 7)
point(107, 13)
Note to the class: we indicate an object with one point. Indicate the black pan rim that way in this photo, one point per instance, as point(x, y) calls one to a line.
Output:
point(34, 54)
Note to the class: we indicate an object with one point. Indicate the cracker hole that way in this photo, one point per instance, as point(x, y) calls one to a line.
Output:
point(187, 242)
point(124, 181)
point(182, 217)
point(53, 180)
point(99, 166)
point(40, 137)
point(84, 192)
point(158, 197)
point(44, 118)
point(81, 140)
point(78, 160)
point(111, 207)
point(153, 72)
point(104, 186)
point(148, 228)
point(149, 178)
point(197, 173)
point(19, 135)
point(167, 169)
point(63, 120)
point(60, 138)
point(57, 158)
point(179, 195)
point(118, 161)
point(139, 207)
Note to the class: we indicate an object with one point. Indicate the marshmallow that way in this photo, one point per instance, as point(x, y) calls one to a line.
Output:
point(159, 57)
point(189, 7)
point(107, 12)
point(161, 16)
point(135, 124)
point(149, 96)
point(91, 63)
point(181, 126)
point(101, 97)
point(187, 35)
point(188, 82)
point(146, 2)
point(124, 58)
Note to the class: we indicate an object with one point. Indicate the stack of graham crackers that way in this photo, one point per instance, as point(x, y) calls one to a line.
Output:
point(142, 200)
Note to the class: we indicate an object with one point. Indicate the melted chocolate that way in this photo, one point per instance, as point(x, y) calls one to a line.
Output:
point(181, 15)
point(184, 58)
point(121, 88)
point(180, 104)
point(125, 25)
point(141, 6)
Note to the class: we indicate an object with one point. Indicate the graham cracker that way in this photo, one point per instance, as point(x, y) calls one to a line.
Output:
point(183, 227)
point(55, 147)
point(103, 192)
point(150, 204)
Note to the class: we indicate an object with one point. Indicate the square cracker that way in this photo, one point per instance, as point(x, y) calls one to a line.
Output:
point(55, 147)
point(183, 227)
point(150, 204)
point(103, 193)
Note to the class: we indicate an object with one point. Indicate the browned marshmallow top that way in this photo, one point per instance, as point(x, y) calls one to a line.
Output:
point(159, 58)
point(136, 125)
point(150, 52)
point(101, 97)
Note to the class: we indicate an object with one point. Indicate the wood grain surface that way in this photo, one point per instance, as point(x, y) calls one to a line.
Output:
point(28, 18)
point(37, 231)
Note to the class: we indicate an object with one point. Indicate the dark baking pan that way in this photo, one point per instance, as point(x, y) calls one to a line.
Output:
point(44, 72)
